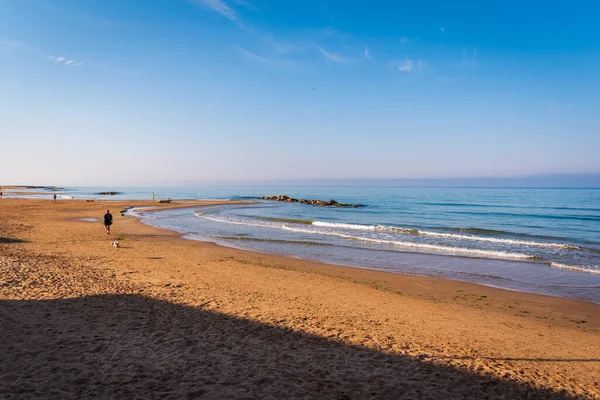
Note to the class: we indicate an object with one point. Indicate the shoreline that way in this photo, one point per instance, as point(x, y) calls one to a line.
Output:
point(185, 236)
point(429, 287)
point(407, 274)
point(487, 331)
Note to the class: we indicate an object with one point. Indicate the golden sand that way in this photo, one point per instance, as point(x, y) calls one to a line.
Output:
point(164, 317)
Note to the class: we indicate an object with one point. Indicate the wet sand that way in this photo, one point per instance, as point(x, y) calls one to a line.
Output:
point(166, 317)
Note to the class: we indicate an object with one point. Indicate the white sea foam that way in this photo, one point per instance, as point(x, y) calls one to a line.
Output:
point(424, 246)
point(235, 222)
point(447, 249)
point(364, 227)
point(498, 240)
point(578, 268)
point(441, 235)
point(344, 226)
point(137, 212)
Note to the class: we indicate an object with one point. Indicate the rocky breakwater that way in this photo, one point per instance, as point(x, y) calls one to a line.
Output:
point(107, 193)
point(320, 203)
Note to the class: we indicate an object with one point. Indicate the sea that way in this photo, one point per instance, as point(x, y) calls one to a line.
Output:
point(544, 241)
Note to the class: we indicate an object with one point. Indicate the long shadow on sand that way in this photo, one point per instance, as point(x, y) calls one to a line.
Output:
point(7, 240)
point(130, 346)
point(552, 360)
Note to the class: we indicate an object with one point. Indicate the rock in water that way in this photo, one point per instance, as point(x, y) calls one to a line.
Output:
point(320, 203)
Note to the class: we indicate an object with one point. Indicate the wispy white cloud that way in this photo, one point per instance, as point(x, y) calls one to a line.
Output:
point(275, 62)
point(442, 29)
point(7, 44)
point(331, 56)
point(256, 57)
point(246, 4)
point(220, 7)
point(367, 53)
point(278, 46)
point(223, 8)
point(410, 66)
point(72, 63)
point(469, 59)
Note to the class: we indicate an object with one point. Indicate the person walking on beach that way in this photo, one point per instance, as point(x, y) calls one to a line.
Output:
point(54, 196)
point(152, 196)
point(107, 221)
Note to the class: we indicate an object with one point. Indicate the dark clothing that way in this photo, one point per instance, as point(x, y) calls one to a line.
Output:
point(107, 219)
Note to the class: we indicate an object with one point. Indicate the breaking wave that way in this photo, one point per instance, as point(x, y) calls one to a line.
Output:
point(442, 235)
point(578, 268)
point(424, 246)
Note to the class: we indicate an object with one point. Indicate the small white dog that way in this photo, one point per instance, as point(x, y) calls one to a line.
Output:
point(115, 244)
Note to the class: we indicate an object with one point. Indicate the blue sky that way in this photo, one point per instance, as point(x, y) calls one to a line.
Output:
point(164, 91)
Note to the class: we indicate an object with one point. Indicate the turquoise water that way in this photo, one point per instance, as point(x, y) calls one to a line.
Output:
point(534, 240)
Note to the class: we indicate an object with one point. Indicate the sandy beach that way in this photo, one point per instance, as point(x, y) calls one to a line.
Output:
point(165, 317)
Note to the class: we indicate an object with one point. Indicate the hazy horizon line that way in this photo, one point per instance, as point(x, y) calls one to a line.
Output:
point(558, 181)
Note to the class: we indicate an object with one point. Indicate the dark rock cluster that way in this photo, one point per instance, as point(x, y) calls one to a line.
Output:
point(48, 188)
point(107, 193)
point(321, 203)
